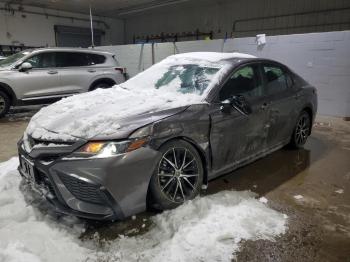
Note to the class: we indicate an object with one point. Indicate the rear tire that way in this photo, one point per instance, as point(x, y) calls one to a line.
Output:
point(102, 85)
point(5, 103)
point(301, 131)
point(178, 176)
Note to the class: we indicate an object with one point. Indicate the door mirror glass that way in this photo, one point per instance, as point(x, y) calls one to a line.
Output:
point(25, 67)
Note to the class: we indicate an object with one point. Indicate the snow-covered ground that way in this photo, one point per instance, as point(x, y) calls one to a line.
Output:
point(206, 229)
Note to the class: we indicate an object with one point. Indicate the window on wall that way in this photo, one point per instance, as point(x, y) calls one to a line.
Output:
point(277, 80)
point(70, 36)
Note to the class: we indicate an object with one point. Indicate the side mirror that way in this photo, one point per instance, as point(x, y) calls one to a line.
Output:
point(237, 102)
point(226, 106)
point(25, 67)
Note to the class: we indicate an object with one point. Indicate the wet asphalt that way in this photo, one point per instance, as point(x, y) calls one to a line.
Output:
point(319, 222)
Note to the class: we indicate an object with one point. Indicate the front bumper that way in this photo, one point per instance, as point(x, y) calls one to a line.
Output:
point(101, 189)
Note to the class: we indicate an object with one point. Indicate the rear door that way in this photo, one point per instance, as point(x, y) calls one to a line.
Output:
point(282, 108)
point(76, 71)
point(42, 80)
point(234, 136)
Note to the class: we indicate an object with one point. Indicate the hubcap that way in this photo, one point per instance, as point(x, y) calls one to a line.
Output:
point(302, 130)
point(178, 174)
point(2, 104)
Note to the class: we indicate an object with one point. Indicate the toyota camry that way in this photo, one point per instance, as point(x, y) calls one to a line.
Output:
point(157, 139)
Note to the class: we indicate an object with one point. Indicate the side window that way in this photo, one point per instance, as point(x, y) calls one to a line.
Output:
point(34, 61)
point(43, 60)
point(245, 81)
point(71, 59)
point(276, 79)
point(96, 59)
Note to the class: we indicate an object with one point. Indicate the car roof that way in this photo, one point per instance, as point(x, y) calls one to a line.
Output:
point(212, 56)
point(233, 57)
point(71, 49)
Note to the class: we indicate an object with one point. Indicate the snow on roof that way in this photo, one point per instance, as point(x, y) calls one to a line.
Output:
point(212, 56)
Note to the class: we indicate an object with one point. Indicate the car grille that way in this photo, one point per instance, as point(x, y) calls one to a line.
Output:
point(32, 142)
point(82, 190)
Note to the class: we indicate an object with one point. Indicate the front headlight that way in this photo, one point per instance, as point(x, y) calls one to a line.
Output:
point(109, 149)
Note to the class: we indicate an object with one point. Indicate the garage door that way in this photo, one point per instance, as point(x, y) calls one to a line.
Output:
point(68, 36)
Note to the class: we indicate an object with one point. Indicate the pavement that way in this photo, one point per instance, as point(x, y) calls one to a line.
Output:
point(310, 185)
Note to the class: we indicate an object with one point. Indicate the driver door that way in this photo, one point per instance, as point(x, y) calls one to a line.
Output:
point(42, 80)
point(236, 136)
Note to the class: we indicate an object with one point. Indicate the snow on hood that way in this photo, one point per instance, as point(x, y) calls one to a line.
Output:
point(215, 223)
point(97, 113)
point(100, 112)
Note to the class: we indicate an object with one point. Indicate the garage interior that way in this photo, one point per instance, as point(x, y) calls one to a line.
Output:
point(312, 37)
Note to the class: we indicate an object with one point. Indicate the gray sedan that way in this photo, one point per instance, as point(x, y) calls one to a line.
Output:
point(157, 139)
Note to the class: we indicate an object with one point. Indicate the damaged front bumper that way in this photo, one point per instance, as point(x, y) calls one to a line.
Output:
point(100, 189)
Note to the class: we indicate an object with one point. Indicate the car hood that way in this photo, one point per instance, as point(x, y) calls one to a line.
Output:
point(105, 114)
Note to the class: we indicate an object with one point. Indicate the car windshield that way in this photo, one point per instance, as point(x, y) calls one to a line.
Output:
point(13, 58)
point(191, 78)
point(187, 78)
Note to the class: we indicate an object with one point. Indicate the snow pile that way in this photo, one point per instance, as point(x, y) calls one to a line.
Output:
point(298, 197)
point(26, 235)
point(158, 88)
point(339, 191)
point(205, 229)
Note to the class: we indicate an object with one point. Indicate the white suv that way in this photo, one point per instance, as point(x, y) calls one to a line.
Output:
point(45, 75)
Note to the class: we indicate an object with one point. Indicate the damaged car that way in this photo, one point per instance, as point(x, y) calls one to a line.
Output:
point(157, 139)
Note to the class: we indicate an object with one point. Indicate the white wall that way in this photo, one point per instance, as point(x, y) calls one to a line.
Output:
point(323, 59)
point(38, 30)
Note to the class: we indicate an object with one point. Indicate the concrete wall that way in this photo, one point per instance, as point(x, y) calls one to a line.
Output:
point(323, 59)
point(38, 30)
point(219, 16)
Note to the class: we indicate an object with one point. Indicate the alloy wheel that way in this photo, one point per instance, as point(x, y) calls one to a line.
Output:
point(178, 174)
point(302, 130)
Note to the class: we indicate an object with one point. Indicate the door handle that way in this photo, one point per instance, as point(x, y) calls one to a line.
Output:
point(91, 70)
point(52, 72)
point(297, 96)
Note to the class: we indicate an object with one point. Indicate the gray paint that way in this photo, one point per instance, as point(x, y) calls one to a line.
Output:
point(323, 59)
point(207, 126)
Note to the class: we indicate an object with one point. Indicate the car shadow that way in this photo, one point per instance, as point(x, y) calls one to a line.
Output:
point(268, 173)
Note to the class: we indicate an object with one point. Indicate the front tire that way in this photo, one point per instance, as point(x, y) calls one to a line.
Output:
point(301, 131)
point(177, 177)
point(4, 104)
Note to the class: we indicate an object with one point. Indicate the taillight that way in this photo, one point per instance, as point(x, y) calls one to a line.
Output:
point(121, 70)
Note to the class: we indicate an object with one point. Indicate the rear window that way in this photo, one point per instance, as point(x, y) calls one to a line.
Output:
point(96, 59)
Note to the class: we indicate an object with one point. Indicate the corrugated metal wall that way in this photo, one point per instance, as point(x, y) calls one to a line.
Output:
point(239, 17)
